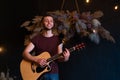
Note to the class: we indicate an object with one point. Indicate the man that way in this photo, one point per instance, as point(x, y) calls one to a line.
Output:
point(48, 41)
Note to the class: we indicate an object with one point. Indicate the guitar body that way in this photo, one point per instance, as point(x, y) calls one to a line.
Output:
point(31, 71)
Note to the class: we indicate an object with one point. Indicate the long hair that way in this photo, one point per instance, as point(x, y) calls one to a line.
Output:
point(54, 29)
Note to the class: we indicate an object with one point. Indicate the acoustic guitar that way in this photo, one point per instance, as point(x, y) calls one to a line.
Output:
point(32, 71)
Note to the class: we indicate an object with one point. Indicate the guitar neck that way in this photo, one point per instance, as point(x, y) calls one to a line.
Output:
point(61, 54)
point(54, 57)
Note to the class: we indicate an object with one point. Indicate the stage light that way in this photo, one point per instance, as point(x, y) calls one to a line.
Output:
point(87, 1)
point(116, 7)
point(94, 31)
point(1, 49)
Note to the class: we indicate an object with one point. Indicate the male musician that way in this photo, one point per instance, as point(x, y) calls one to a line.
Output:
point(48, 41)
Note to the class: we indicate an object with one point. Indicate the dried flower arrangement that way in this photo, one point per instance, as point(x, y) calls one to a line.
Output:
point(69, 23)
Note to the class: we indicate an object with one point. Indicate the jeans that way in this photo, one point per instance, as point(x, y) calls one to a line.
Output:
point(51, 77)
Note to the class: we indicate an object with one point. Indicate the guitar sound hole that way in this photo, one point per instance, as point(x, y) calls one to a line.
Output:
point(39, 69)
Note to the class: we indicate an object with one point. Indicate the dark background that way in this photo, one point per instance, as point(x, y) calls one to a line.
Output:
point(95, 62)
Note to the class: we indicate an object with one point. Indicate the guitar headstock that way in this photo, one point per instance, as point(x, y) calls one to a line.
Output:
point(79, 46)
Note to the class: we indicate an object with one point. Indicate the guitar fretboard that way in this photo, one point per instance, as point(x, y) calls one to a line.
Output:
point(77, 47)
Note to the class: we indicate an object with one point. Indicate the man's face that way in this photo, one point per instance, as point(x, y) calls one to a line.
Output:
point(48, 22)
